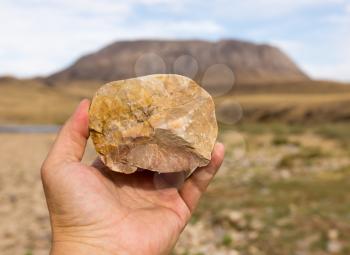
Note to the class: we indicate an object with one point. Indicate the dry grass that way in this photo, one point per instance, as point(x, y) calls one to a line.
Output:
point(291, 108)
point(32, 101)
point(279, 98)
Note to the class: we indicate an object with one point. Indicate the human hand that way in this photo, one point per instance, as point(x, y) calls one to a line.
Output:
point(97, 211)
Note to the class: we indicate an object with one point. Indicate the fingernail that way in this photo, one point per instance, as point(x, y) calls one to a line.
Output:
point(82, 104)
point(84, 101)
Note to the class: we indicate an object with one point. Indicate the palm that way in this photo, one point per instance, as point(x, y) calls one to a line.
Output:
point(127, 208)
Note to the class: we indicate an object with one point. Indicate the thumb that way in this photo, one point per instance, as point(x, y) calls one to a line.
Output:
point(71, 141)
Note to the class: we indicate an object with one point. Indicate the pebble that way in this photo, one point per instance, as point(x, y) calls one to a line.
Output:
point(334, 246)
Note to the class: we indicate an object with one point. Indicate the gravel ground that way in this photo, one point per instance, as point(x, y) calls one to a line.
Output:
point(224, 224)
point(24, 222)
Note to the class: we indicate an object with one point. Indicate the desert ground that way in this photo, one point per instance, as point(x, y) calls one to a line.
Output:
point(283, 189)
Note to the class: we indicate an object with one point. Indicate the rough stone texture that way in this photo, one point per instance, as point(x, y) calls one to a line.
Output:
point(163, 123)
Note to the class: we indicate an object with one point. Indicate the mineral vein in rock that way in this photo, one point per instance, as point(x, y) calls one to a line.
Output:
point(163, 123)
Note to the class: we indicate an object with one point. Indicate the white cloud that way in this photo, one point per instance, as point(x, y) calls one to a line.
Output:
point(325, 56)
point(293, 47)
point(262, 9)
point(330, 62)
point(180, 28)
point(339, 67)
point(92, 6)
point(338, 71)
point(41, 39)
point(158, 2)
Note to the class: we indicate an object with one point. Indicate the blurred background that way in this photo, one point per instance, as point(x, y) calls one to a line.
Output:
point(279, 72)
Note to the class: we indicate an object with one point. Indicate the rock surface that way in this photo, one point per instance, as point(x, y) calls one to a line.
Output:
point(164, 123)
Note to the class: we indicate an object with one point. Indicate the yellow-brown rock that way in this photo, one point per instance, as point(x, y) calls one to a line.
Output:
point(163, 123)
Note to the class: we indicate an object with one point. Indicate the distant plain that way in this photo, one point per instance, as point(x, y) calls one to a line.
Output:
point(34, 102)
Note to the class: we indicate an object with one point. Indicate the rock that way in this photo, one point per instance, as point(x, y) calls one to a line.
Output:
point(306, 242)
point(256, 224)
point(235, 216)
point(333, 234)
point(254, 250)
point(334, 246)
point(164, 123)
point(252, 235)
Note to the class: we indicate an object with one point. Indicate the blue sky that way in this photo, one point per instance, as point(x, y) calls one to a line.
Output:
point(39, 37)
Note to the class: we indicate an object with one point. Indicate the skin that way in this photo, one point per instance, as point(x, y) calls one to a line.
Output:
point(96, 211)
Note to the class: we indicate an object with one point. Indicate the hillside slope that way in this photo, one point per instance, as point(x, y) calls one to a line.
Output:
point(251, 63)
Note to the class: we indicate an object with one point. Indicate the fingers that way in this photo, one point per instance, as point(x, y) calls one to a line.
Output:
point(71, 141)
point(194, 186)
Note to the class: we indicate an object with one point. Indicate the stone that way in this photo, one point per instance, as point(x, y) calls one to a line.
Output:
point(163, 123)
point(334, 246)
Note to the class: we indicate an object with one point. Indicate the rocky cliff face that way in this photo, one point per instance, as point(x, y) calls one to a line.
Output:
point(250, 63)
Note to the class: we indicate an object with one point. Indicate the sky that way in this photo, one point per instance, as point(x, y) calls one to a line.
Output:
point(40, 37)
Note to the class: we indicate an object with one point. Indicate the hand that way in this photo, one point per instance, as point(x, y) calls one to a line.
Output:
point(96, 211)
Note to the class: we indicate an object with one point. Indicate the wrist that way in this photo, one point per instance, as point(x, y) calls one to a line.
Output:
point(73, 241)
point(76, 247)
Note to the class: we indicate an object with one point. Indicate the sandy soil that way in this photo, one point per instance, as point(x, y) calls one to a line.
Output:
point(24, 223)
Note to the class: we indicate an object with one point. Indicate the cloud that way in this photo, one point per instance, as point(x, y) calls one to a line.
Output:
point(333, 61)
point(338, 71)
point(180, 28)
point(40, 37)
point(256, 9)
point(289, 45)
point(347, 8)
point(43, 38)
point(78, 6)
